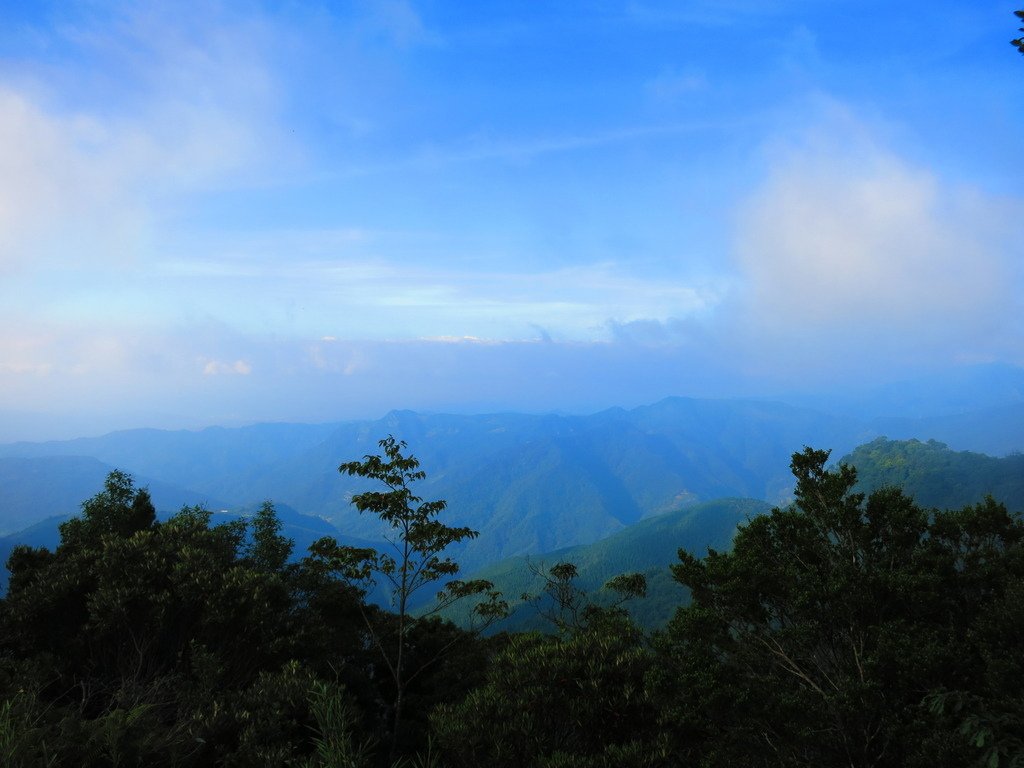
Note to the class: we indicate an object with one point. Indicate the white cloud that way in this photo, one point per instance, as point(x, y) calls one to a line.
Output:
point(219, 367)
point(330, 356)
point(845, 242)
point(82, 381)
point(25, 354)
point(54, 185)
point(174, 100)
point(672, 332)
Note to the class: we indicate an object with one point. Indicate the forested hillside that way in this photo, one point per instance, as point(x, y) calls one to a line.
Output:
point(929, 472)
point(648, 547)
point(843, 630)
point(935, 476)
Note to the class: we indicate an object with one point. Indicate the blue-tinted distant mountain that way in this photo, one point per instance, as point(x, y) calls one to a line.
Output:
point(42, 534)
point(528, 483)
point(961, 390)
point(32, 489)
point(191, 459)
point(537, 483)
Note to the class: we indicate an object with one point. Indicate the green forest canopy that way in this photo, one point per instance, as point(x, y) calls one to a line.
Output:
point(842, 630)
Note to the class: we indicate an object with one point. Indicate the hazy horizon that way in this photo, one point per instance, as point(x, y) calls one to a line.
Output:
point(227, 214)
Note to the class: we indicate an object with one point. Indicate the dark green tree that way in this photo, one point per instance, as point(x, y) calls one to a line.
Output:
point(568, 608)
point(1019, 42)
point(177, 643)
point(816, 640)
point(268, 550)
point(577, 699)
point(417, 560)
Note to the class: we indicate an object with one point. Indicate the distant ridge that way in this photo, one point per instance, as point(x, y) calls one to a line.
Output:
point(537, 483)
point(34, 488)
point(528, 483)
point(192, 459)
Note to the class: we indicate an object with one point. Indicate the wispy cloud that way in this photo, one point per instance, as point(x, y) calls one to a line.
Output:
point(392, 300)
point(481, 148)
point(176, 102)
point(199, 375)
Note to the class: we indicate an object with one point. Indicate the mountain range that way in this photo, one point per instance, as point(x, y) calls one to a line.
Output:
point(929, 472)
point(528, 483)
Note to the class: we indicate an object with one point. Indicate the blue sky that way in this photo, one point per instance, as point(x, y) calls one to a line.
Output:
point(235, 212)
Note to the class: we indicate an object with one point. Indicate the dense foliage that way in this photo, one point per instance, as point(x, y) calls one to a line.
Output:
point(935, 476)
point(843, 630)
point(818, 639)
point(138, 642)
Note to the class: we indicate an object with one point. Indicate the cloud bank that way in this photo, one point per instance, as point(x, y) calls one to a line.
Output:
point(215, 213)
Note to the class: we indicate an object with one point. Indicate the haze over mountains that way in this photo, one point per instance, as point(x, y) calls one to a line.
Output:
point(528, 483)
